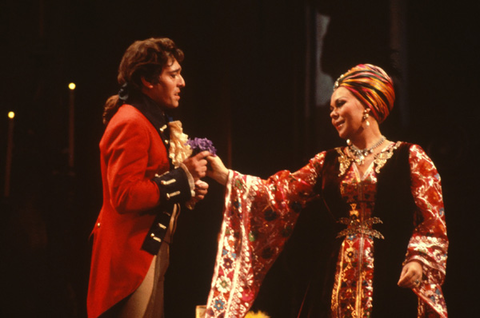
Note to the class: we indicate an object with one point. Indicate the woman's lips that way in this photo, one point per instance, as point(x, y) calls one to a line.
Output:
point(338, 124)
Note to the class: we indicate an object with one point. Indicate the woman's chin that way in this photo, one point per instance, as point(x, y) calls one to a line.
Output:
point(342, 135)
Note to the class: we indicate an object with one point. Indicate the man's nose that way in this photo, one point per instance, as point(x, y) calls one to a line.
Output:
point(181, 82)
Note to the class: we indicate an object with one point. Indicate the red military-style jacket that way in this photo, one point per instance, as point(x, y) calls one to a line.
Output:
point(133, 156)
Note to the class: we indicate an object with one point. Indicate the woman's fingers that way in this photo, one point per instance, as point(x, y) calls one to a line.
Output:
point(411, 275)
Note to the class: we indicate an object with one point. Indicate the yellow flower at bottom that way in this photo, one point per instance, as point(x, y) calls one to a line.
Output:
point(258, 314)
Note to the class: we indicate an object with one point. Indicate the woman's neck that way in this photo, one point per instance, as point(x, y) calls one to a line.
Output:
point(363, 150)
point(367, 139)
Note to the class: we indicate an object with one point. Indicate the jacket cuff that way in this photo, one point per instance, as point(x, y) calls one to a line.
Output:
point(174, 186)
point(191, 181)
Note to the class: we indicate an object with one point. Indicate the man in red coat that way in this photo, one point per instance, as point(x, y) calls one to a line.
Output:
point(147, 174)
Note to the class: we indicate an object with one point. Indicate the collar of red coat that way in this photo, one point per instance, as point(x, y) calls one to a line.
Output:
point(152, 111)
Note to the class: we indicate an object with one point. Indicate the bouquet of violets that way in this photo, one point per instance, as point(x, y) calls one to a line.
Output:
point(196, 146)
point(181, 147)
point(201, 144)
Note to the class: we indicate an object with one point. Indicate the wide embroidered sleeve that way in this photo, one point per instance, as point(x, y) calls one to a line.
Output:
point(259, 216)
point(429, 242)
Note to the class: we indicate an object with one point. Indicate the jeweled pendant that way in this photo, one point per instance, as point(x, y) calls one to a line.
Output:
point(360, 160)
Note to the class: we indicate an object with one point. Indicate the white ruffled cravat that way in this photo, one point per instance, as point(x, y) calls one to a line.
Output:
point(179, 149)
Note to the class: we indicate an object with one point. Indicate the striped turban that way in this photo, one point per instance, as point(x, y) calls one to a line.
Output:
point(372, 87)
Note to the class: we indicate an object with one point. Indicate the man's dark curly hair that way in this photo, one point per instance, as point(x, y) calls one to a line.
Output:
point(146, 59)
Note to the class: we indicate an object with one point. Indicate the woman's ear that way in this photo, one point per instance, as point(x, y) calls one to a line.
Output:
point(146, 83)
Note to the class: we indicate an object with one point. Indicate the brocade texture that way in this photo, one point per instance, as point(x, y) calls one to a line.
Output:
point(259, 217)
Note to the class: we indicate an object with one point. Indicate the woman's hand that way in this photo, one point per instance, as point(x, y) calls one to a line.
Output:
point(411, 275)
point(217, 170)
point(197, 165)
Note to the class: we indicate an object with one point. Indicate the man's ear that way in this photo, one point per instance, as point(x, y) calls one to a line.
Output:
point(146, 83)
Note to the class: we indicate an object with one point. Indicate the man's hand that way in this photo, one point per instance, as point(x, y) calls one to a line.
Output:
point(197, 165)
point(201, 189)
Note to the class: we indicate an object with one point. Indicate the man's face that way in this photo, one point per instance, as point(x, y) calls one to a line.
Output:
point(166, 92)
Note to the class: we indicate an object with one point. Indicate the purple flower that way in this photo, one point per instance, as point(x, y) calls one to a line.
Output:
point(201, 144)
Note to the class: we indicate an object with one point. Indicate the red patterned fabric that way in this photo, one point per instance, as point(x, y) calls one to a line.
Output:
point(260, 214)
point(429, 242)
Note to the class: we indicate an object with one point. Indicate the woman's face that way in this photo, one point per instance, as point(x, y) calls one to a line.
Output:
point(346, 113)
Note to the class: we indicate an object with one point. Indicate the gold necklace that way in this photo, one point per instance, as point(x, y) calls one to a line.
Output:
point(360, 154)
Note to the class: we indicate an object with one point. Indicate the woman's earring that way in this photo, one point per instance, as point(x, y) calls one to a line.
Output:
point(365, 117)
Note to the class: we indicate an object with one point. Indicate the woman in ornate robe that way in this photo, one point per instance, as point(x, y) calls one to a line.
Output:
point(388, 249)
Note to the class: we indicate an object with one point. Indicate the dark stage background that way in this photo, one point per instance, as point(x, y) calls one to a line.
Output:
point(250, 70)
